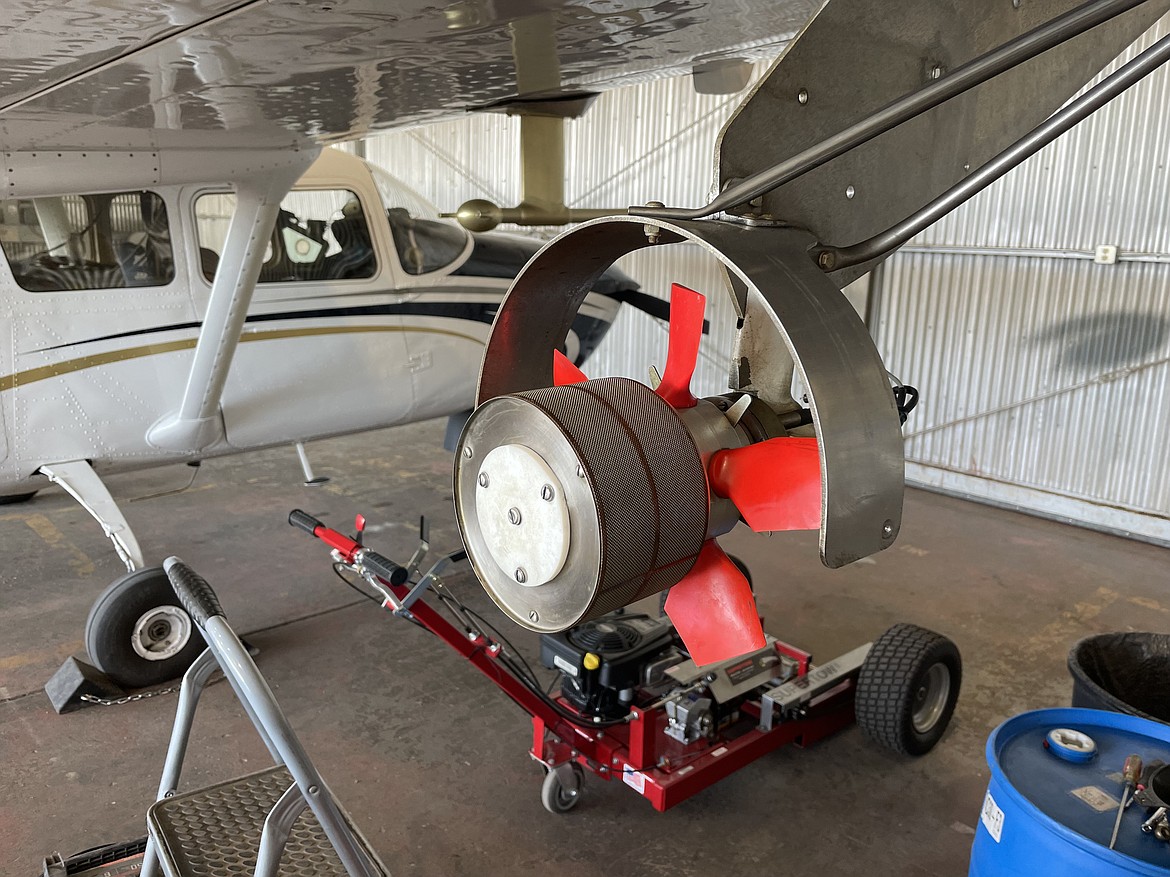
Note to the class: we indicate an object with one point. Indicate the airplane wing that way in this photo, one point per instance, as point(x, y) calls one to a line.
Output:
point(197, 74)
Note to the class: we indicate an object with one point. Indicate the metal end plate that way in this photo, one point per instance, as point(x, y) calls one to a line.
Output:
point(559, 603)
point(633, 484)
point(521, 509)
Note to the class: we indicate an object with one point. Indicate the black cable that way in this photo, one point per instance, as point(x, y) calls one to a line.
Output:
point(449, 598)
point(548, 688)
point(906, 398)
point(524, 674)
point(571, 717)
point(507, 645)
point(337, 571)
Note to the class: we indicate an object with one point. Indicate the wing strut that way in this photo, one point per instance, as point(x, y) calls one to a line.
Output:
point(197, 423)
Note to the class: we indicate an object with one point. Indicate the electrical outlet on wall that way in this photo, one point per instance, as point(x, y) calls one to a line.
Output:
point(1105, 254)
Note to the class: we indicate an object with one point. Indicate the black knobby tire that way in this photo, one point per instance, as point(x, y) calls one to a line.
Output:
point(91, 861)
point(908, 688)
point(555, 796)
point(141, 607)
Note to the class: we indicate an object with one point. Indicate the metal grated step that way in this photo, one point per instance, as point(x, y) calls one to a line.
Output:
point(215, 831)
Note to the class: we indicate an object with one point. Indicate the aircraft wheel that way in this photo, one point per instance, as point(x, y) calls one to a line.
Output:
point(908, 688)
point(13, 499)
point(137, 634)
point(556, 796)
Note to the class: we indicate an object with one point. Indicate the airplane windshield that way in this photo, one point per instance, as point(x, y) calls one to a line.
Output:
point(424, 242)
point(87, 241)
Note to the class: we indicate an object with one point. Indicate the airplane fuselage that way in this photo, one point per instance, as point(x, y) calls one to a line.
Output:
point(336, 339)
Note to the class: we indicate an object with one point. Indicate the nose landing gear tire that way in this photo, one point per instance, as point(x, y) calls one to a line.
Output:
point(908, 688)
point(138, 634)
point(16, 498)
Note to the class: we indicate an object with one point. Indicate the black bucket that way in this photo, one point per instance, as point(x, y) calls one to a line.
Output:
point(1123, 672)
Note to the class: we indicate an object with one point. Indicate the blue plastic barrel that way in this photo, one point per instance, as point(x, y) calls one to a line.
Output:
point(1044, 814)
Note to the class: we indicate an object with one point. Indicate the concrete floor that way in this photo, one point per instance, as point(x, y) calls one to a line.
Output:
point(432, 760)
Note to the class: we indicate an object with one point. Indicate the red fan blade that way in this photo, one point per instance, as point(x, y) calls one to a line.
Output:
point(713, 609)
point(776, 485)
point(564, 372)
point(682, 352)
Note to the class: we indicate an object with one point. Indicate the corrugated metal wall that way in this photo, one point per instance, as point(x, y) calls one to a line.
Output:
point(652, 141)
point(1043, 375)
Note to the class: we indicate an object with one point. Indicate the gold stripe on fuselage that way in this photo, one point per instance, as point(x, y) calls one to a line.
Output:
point(44, 372)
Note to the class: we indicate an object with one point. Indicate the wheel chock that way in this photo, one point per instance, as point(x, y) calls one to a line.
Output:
point(76, 678)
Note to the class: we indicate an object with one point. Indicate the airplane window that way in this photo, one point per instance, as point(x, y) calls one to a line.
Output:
point(320, 234)
point(424, 242)
point(87, 241)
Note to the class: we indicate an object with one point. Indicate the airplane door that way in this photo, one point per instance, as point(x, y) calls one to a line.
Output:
point(449, 317)
point(448, 333)
point(322, 351)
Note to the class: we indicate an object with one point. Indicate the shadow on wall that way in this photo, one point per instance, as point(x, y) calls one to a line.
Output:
point(1100, 343)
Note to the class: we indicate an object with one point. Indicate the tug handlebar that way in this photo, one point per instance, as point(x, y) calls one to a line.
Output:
point(353, 552)
point(383, 567)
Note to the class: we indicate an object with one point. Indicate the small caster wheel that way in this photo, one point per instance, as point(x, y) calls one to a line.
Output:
point(561, 790)
point(908, 688)
point(137, 634)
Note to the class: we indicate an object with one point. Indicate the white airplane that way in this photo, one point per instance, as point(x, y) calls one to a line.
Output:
point(369, 311)
point(148, 149)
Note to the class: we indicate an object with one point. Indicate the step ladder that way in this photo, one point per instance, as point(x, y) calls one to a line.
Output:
point(279, 822)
